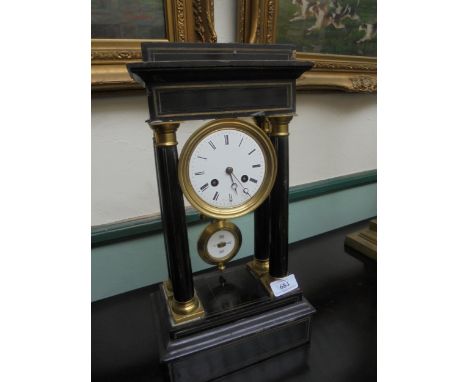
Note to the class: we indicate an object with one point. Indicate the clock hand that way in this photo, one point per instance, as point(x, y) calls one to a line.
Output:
point(244, 189)
point(233, 184)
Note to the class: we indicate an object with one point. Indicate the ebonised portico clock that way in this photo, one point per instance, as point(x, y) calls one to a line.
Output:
point(230, 317)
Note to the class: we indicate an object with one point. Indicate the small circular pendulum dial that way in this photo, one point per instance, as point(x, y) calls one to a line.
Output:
point(219, 242)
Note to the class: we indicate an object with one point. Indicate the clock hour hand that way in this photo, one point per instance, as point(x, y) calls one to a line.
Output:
point(229, 171)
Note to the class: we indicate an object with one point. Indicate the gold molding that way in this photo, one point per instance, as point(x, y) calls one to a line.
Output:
point(338, 72)
point(364, 83)
point(186, 21)
point(203, 12)
point(108, 60)
point(256, 20)
point(256, 23)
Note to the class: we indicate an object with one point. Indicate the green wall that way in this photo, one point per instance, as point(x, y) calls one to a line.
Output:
point(122, 259)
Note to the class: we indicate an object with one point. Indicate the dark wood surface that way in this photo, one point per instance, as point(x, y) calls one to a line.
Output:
point(343, 344)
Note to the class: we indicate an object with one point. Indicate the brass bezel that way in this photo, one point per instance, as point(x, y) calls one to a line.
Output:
point(212, 228)
point(270, 168)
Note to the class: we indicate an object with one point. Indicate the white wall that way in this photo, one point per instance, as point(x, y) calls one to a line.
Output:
point(333, 134)
point(225, 20)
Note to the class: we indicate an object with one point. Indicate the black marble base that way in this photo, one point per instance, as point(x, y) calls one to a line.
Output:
point(227, 296)
point(221, 350)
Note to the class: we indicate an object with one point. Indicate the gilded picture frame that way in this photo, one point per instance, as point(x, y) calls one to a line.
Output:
point(257, 23)
point(185, 21)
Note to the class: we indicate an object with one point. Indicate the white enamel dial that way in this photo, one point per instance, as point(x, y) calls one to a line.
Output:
point(227, 168)
point(221, 244)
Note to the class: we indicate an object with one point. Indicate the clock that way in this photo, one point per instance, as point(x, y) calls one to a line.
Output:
point(236, 163)
point(227, 168)
point(219, 242)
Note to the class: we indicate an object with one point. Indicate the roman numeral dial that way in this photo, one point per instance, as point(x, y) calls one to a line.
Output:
point(227, 170)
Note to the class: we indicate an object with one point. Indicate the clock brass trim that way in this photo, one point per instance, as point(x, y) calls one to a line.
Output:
point(181, 312)
point(259, 267)
point(164, 134)
point(208, 232)
point(279, 125)
point(270, 168)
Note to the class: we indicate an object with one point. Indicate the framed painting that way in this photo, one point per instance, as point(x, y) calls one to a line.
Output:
point(118, 27)
point(339, 36)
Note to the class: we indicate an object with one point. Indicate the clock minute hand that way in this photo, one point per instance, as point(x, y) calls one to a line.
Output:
point(244, 189)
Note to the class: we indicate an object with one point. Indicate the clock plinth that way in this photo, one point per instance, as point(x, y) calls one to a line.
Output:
point(217, 322)
point(241, 326)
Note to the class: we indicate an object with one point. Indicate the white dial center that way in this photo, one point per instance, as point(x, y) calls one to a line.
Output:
point(221, 244)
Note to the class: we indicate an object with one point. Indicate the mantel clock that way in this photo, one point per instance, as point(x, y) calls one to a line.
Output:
point(236, 163)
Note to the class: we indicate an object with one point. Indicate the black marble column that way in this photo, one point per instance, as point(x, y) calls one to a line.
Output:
point(279, 211)
point(172, 211)
point(262, 231)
